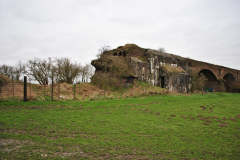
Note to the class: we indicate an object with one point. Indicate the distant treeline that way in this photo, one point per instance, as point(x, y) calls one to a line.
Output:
point(42, 70)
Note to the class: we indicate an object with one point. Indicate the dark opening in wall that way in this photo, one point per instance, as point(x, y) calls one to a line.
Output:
point(162, 82)
point(120, 54)
point(129, 80)
point(115, 54)
point(229, 77)
point(229, 82)
point(124, 54)
point(208, 74)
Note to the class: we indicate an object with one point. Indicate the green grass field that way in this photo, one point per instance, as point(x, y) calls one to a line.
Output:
point(154, 127)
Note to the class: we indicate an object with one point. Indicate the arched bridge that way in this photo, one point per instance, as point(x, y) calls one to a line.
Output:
point(215, 74)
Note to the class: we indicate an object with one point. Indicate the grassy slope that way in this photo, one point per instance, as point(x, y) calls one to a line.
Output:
point(167, 127)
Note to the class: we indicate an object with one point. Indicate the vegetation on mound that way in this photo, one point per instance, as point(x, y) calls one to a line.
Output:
point(172, 69)
point(4, 78)
point(79, 92)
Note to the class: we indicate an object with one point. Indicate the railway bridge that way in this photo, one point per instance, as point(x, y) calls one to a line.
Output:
point(215, 74)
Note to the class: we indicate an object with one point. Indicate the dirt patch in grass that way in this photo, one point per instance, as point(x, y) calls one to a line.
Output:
point(203, 107)
point(206, 118)
point(192, 118)
point(225, 123)
point(184, 117)
point(221, 125)
point(209, 121)
point(157, 113)
point(10, 145)
point(238, 116)
point(173, 115)
point(215, 117)
point(232, 119)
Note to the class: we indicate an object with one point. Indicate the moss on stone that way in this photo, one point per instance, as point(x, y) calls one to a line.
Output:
point(172, 69)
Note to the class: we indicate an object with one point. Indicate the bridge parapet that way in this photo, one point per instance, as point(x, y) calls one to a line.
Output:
point(218, 71)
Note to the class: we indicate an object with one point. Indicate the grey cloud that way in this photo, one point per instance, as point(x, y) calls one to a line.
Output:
point(199, 29)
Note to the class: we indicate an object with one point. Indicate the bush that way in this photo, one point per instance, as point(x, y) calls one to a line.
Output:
point(198, 81)
point(105, 81)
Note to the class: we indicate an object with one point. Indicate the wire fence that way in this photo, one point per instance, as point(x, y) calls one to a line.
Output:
point(15, 91)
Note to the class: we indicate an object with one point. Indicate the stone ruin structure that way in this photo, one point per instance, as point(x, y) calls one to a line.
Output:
point(152, 66)
point(130, 62)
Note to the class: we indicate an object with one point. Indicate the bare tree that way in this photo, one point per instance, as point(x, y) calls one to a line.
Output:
point(7, 70)
point(161, 49)
point(84, 71)
point(39, 69)
point(87, 72)
point(90, 72)
point(66, 71)
point(19, 70)
point(102, 50)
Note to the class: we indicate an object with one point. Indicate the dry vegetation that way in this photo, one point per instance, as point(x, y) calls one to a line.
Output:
point(82, 91)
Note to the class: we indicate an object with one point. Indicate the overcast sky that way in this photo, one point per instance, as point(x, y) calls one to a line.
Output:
point(204, 30)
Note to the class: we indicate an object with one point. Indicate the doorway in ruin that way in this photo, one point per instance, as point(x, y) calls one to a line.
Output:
point(162, 81)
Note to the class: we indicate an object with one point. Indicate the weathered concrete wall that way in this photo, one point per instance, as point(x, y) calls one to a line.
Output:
point(141, 69)
point(155, 74)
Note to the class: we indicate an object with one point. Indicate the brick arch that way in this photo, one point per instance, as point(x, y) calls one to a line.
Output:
point(198, 69)
point(228, 71)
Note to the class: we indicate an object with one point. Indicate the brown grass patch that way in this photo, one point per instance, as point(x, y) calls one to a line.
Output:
point(209, 121)
point(225, 123)
point(221, 125)
point(203, 107)
point(232, 119)
point(215, 117)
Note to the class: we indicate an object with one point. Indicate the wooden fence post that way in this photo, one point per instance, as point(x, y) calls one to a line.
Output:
point(30, 91)
point(13, 87)
point(74, 91)
point(25, 89)
point(52, 87)
point(58, 90)
point(44, 91)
